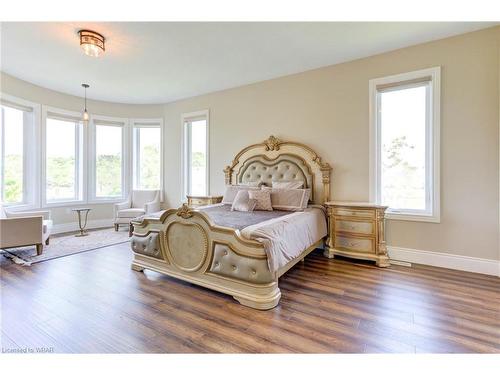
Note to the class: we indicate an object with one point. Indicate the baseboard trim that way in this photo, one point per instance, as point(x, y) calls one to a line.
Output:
point(455, 262)
point(91, 224)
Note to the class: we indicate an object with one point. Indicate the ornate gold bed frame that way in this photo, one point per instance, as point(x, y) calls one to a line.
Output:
point(186, 244)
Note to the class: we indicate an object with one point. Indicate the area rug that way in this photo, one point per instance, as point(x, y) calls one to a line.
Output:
point(67, 244)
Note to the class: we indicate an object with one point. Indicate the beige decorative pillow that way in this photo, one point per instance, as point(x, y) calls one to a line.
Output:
point(232, 190)
point(242, 202)
point(253, 183)
point(289, 199)
point(263, 198)
point(287, 184)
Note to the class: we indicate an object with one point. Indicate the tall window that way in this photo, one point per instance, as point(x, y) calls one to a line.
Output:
point(18, 153)
point(405, 144)
point(147, 154)
point(195, 153)
point(63, 159)
point(109, 161)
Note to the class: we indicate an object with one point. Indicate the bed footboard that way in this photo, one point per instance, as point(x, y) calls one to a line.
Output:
point(187, 245)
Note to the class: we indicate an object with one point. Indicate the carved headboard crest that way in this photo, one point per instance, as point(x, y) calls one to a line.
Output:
point(274, 152)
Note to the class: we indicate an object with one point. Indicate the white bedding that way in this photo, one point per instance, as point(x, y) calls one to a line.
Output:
point(285, 238)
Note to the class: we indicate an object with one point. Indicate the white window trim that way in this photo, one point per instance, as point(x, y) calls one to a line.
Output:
point(145, 123)
point(126, 159)
point(31, 196)
point(82, 175)
point(184, 149)
point(434, 142)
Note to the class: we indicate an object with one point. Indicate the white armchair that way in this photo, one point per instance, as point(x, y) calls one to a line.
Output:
point(139, 202)
point(25, 229)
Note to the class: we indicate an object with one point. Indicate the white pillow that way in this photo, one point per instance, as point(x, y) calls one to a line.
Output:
point(232, 190)
point(289, 199)
point(242, 202)
point(288, 184)
point(253, 183)
point(263, 198)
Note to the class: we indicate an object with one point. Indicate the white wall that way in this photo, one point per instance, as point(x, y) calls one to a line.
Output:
point(328, 110)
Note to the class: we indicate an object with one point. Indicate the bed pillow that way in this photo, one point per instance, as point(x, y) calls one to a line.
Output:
point(289, 199)
point(253, 183)
point(242, 202)
point(263, 198)
point(287, 184)
point(232, 190)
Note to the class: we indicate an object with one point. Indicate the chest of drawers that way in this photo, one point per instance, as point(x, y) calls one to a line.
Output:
point(195, 201)
point(357, 230)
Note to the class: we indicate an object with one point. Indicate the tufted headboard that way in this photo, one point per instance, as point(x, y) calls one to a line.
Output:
point(276, 160)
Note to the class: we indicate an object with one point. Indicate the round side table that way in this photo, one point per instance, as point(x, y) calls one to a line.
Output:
point(82, 225)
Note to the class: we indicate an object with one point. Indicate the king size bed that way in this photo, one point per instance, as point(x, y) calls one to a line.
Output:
point(242, 254)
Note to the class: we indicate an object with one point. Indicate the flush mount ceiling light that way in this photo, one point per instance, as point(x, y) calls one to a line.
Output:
point(92, 43)
point(85, 113)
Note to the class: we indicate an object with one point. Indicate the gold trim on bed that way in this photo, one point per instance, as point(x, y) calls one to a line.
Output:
point(273, 148)
point(186, 244)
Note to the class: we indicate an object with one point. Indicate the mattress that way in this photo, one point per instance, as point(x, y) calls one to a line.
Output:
point(222, 215)
point(284, 234)
point(285, 238)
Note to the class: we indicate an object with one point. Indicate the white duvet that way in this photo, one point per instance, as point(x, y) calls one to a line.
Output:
point(286, 237)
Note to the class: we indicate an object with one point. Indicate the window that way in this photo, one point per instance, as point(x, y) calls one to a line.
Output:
point(405, 144)
point(109, 158)
point(18, 150)
point(196, 153)
point(147, 136)
point(63, 157)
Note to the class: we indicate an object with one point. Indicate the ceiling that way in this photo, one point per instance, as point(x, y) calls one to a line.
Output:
point(159, 62)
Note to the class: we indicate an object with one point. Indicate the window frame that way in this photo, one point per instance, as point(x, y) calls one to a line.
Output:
point(31, 154)
point(137, 123)
point(185, 119)
point(80, 162)
point(433, 125)
point(126, 162)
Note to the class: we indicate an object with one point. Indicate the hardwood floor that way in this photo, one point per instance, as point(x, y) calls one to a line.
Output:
point(93, 303)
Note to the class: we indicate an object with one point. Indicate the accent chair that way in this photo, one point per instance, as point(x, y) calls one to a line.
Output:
point(24, 229)
point(139, 202)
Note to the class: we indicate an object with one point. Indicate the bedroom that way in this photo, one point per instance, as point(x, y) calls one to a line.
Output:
point(364, 236)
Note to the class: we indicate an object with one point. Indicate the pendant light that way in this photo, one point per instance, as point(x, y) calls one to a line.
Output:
point(85, 114)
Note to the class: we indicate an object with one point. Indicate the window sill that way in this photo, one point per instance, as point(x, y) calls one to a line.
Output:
point(56, 204)
point(19, 207)
point(412, 217)
point(107, 200)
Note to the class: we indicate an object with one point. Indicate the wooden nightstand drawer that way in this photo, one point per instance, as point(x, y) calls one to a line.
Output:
point(197, 202)
point(357, 230)
point(363, 245)
point(368, 214)
point(356, 227)
point(203, 201)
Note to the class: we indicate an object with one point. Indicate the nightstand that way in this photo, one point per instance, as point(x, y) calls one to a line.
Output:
point(357, 230)
point(195, 201)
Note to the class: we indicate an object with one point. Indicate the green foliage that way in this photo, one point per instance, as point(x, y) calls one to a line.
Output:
point(60, 177)
point(150, 167)
point(198, 159)
point(394, 153)
point(108, 175)
point(403, 182)
point(13, 176)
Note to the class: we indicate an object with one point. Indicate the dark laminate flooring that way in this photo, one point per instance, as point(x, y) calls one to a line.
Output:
point(94, 303)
